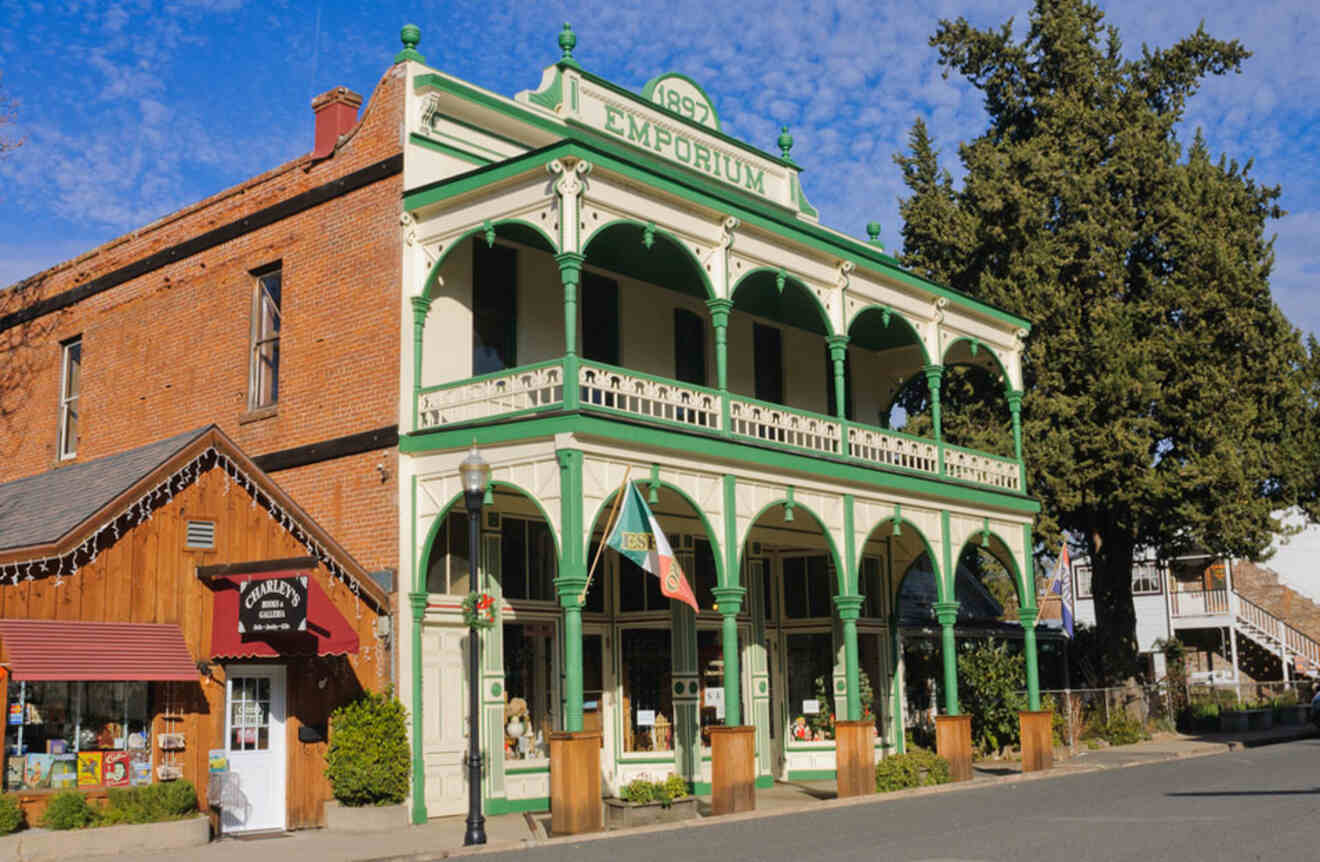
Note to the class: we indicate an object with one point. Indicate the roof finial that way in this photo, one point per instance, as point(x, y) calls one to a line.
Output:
point(567, 42)
point(873, 231)
point(785, 141)
point(410, 35)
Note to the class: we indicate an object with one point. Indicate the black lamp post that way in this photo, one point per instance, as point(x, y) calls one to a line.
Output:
point(475, 475)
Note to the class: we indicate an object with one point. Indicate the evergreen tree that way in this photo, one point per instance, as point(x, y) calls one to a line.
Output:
point(1167, 399)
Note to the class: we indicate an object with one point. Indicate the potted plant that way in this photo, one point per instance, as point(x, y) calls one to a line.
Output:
point(367, 764)
point(644, 802)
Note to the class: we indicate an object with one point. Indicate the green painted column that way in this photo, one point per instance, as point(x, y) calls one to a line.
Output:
point(570, 273)
point(1028, 618)
point(848, 608)
point(730, 602)
point(838, 345)
point(421, 306)
point(572, 579)
point(758, 669)
point(417, 601)
point(719, 318)
point(1015, 410)
point(947, 614)
point(934, 374)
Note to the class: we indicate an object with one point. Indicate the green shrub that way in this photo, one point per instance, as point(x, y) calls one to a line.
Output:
point(170, 800)
point(916, 768)
point(1286, 698)
point(68, 810)
point(1120, 730)
point(367, 762)
point(11, 814)
point(644, 790)
point(990, 684)
point(675, 787)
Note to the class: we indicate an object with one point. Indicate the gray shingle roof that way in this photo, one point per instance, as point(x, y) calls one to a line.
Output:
point(38, 510)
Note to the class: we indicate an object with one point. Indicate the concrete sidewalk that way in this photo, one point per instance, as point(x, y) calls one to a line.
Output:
point(442, 837)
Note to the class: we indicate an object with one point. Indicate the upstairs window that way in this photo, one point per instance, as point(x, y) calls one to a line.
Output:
point(768, 354)
point(689, 347)
point(70, 385)
point(1145, 578)
point(600, 318)
point(264, 369)
point(494, 308)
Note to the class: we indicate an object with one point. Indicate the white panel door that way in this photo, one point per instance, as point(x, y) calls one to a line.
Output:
point(254, 738)
point(445, 718)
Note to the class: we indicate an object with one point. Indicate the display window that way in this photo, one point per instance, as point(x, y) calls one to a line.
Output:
point(710, 667)
point(527, 560)
point(874, 588)
point(447, 568)
point(809, 662)
point(872, 657)
point(529, 677)
point(647, 699)
point(77, 734)
point(808, 585)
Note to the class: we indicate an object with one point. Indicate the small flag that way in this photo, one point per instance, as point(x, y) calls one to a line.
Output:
point(1061, 586)
point(638, 537)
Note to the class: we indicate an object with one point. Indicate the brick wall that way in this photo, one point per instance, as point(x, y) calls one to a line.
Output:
point(168, 350)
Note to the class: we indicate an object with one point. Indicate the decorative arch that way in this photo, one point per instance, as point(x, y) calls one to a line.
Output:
point(972, 351)
point(424, 559)
point(904, 524)
point(645, 237)
point(876, 326)
point(765, 293)
point(994, 544)
point(513, 229)
point(820, 522)
point(603, 509)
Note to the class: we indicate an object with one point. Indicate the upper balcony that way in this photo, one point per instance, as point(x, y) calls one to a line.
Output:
point(630, 328)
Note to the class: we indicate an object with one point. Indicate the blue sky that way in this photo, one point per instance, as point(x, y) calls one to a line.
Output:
point(132, 109)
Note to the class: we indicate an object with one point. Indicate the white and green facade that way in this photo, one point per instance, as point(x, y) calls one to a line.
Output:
point(600, 283)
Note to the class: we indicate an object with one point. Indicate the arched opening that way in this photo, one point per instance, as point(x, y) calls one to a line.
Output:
point(973, 399)
point(777, 317)
point(885, 353)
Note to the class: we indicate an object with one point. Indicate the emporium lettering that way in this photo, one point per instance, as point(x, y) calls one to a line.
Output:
point(680, 148)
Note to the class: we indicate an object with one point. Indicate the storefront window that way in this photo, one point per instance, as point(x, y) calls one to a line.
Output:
point(808, 585)
point(710, 666)
point(871, 655)
point(875, 589)
point(447, 568)
point(702, 575)
point(639, 590)
point(529, 651)
point(648, 706)
point(71, 734)
point(810, 665)
point(527, 560)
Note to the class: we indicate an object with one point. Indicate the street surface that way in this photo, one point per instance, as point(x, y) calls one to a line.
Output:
point(1259, 803)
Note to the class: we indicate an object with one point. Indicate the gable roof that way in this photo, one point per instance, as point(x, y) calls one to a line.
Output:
point(51, 513)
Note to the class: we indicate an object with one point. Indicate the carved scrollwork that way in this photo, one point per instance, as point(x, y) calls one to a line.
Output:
point(491, 396)
point(780, 425)
point(643, 396)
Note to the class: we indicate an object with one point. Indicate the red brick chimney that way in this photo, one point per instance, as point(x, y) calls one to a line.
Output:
point(336, 113)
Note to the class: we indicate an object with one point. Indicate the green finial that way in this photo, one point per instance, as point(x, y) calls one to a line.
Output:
point(410, 35)
point(648, 235)
point(873, 231)
point(488, 228)
point(567, 42)
point(785, 141)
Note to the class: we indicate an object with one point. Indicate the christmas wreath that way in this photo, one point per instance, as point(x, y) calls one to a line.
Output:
point(479, 610)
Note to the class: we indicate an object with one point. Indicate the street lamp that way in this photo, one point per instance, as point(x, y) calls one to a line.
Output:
point(475, 475)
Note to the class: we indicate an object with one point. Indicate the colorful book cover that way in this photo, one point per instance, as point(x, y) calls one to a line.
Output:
point(14, 766)
point(116, 768)
point(89, 768)
point(64, 771)
point(57, 746)
point(37, 774)
point(139, 767)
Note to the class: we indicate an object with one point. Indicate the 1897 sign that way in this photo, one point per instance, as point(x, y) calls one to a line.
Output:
point(273, 606)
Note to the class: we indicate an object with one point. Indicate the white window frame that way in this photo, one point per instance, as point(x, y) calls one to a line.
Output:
point(1146, 573)
point(68, 448)
point(263, 376)
point(1080, 571)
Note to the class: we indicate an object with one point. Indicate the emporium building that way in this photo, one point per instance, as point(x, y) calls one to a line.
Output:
point(592, 284)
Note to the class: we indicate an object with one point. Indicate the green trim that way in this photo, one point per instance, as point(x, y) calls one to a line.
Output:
point(581, 142)
point(787, 278)
point(572, 579)
point(626, 759)
point(639, 433)
point(812, 775)
point(447, 149)
point(650, 86)
point(1014, 570)
point(527, 770)
point(764, 781)
point(981, 346)
point(893, 313)
point(517, 806)
point(585, 244)
point(419, 584)
point(701, 788)
point(482, 230)
point(820, 522)
point(549, 98)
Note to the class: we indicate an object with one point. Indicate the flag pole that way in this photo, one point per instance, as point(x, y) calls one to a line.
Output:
point(609, 527)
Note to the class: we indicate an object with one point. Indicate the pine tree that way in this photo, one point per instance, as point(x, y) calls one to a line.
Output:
point(1167, 404)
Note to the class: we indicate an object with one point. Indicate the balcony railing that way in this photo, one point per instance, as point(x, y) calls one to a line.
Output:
point(538, 387)
point(1199, 603)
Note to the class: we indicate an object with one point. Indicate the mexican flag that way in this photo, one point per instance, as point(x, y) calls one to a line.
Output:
point(638, 537)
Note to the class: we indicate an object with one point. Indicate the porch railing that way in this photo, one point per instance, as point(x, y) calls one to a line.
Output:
point(1199, 603)
point(539, 387)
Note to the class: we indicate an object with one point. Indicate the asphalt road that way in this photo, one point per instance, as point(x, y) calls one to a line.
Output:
point(1260, 803)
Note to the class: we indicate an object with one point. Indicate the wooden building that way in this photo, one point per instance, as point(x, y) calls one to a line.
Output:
point(125, 588)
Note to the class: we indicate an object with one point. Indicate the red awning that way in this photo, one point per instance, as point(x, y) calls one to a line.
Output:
point(109, 652)
point(328, 633)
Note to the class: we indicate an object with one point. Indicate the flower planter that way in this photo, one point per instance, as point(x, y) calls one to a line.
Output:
point(627, 815)
point(953, 742)
point(47, 845)
point(364, 818)
point(1260, 719)
point(1233, 721)
point(1293, 716)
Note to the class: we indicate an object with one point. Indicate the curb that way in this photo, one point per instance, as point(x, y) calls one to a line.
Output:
point(1210, 748)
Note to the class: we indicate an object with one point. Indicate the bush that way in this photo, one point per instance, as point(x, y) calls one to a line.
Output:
point(990, 682)
point(643, 790)
point(367, 762)
point(11, 814)
point(68, 809)
point(1120, 730)
point(1285, 699)
point(170, 800)
point(916, 768)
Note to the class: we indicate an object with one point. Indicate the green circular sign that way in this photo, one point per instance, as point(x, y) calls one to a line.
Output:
point(692, 688)
point(495, 689)
point(761, 687)
point(678, 688)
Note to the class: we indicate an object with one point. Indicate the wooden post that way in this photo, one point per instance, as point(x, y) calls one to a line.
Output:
point(953, 742)
point(854, 755)
point(1037, 739)
point(575, 805)
point(732, 769)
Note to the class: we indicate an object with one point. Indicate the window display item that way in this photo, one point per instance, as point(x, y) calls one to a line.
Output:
point(14, 768)
point(170, 741)
point(64, 772)
point(116, 769)
point(139, 768)
point(36, 775)
point(57, 746)
point(89, 768)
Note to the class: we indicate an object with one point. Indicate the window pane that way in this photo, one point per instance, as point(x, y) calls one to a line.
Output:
point(103, 711)
point(494, 308)
point(458, 554)
point(795, 588)
point(513, 558)
point(703, 574)
point(767, 352)
point(710, 664)
point(689, 347)
point(655, 600)
point(596, 595)
point(632, 588)
point(528, 672)
point(648, 712)
point(820, 586)
point(541, 563)
point(436, 579)
point(600, 318)
point(810, 663)
point(593, 666)
point(870, 652)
